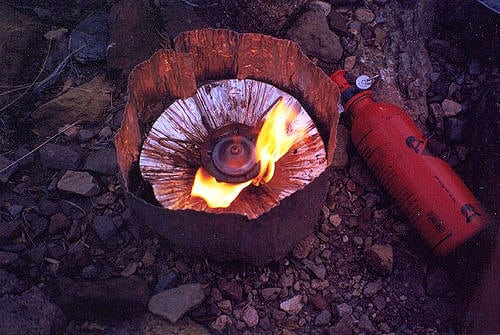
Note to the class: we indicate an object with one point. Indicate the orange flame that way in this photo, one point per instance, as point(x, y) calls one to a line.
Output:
point(274, 140)
point(217, 194)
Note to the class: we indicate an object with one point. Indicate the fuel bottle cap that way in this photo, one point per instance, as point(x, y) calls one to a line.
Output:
point(364, 82)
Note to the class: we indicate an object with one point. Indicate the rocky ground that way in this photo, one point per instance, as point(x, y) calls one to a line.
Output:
point(72, 260)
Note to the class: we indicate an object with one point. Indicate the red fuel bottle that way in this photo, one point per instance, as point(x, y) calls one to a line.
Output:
point(427, 190)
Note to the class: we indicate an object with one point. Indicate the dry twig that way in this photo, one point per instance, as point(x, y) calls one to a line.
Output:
point(38, 147)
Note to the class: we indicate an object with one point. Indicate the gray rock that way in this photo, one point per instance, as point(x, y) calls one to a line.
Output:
point(366, 324)
point(20, 152)
point(105, 133)
point(364, 15)
point(232, 290)
point(173, 303)
point(267, 16)
point(106, 199)
point(90, 272)
point(5, 175)
point(379, 302)
point(434, 76)
point(325, 45)
point(372, 288)
point(325, 6)
point(380, 257)
point(371, 199)
point(15, 211)
point(349, 63)
point(59, 157)
point(81, 183)
point(344, 309)
point(30, 313)
point(85, 135)
point(343, 327)
point(366, 32)
point(318, 270)
point(319, 302)
point(104, 227)
point(265, 323)
point(220, 323)
point(91, 35)
point(102, 161)
point(450, 107)
point(47, 207)
point(358, 240)
point(58, 222)
point(338, 23)
point(293, 305)
point(122, 297)
point(305, 246)
point(335, 220)
point(251, 316)
point(270, 293)
point(166, 281)
point(323, 318)
point(405, 64)
point(355, 25)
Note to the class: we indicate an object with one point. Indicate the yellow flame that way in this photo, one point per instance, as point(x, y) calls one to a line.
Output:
point(216, 194)
point(274, 140)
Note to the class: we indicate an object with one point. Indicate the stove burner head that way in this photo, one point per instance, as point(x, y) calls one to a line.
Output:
point(202, 149)
point(229, 154)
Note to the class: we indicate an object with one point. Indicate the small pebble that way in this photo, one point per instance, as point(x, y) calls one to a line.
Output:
point(105, 133)
point(250, 316)
point(89, 272)
point(364, 15)
point(344, 309)
point(358, 240)
point(323, 318)
point(166, 281)
point(293, 305)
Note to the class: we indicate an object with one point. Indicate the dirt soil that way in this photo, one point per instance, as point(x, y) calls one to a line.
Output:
point(74, 261)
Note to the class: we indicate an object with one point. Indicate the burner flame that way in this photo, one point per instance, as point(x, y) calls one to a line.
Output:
point(275, 139)
point(217, 194)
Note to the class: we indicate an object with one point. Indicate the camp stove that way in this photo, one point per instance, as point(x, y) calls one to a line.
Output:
point(246, 115)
